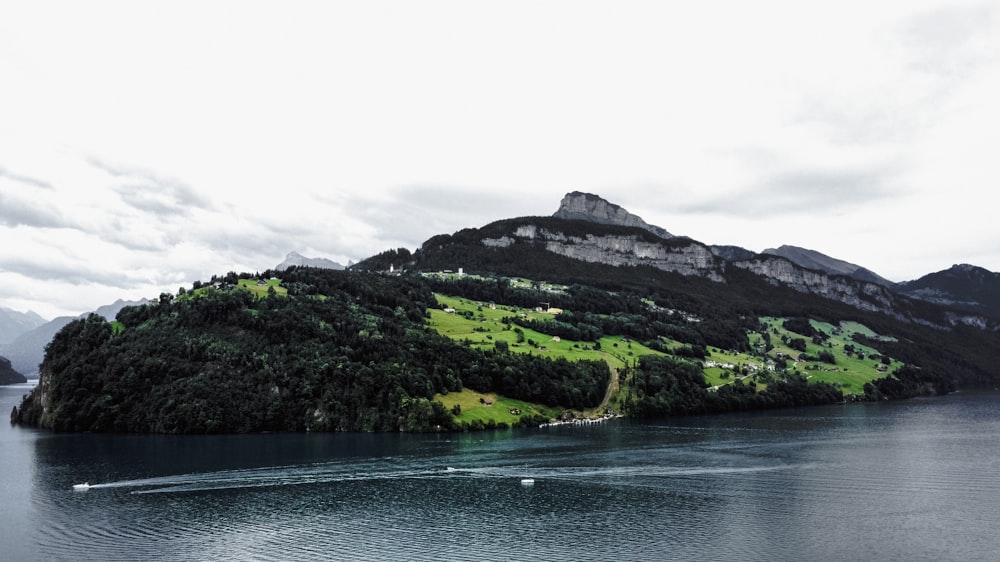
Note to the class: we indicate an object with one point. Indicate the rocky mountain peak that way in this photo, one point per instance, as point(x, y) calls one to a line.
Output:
point(589, 207)
point(297, 259)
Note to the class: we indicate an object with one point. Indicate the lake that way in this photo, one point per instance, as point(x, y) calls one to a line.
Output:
point(911, 480)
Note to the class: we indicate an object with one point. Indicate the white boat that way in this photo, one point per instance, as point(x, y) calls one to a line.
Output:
point(82, 487)
point(527, 481)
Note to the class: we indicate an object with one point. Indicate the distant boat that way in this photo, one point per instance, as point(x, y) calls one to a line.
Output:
point(527, 481)
point(81, 487)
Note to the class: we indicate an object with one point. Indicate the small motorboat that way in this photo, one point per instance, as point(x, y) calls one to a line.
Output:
point(527, 481)
point(81, 487)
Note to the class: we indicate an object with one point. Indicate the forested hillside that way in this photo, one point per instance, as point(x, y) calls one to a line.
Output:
point(340, 351)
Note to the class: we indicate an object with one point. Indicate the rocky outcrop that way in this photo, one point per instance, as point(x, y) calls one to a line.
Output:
point(623, 249)
point(812, 259)
point(593, 208)
point(868, 296)
point(864, 296)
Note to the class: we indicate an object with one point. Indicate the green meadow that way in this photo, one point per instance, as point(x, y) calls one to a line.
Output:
point(855, 364)
point(489, 407)
point(482, 326)
point(260, 288)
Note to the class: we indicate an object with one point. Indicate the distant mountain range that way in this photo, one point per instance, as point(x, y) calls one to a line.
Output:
point(297, 259)
point(26, 351)
point(963, 287)
point(8, 375)
point(14, 323)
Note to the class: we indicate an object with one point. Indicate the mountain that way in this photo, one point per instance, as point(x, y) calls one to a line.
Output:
point(297, 259)
point(963, 287)
point(14, 323)
point(569, 249)
point(8, 375)
point(815, 260)
point(27, 350)
point(593, 208)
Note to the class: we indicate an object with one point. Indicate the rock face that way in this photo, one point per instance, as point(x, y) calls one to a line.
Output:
point(297, 259)
point(691, 258)
point(864, 296)
point(590, 207)
point(816, 260)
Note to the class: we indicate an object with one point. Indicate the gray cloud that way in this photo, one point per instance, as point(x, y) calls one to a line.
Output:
point(794, 192)
point(417, 212)
point(34, 182)
point(72, 273)
point(151, 193)
point(20, 211)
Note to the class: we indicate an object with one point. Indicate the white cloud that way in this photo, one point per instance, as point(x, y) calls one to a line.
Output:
point(146, 146)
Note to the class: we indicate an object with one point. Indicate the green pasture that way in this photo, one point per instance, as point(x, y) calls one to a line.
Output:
point(485, 327)
point(850, 371)
point(481, 325)
point(474, 407)
point(261, 290)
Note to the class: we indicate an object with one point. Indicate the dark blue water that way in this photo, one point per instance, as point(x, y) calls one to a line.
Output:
point(915, 480)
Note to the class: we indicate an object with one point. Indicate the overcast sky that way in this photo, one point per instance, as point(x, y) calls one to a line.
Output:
point(146, 145)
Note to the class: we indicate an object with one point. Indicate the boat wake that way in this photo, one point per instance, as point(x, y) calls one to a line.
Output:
point(264, 477)
point(326, 473)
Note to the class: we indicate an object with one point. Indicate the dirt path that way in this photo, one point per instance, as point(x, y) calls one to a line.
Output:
point(613, 387)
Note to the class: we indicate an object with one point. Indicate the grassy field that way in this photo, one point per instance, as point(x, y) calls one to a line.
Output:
point(851, 371)
point(259, 290)
point(482, 326)
point(488, 406)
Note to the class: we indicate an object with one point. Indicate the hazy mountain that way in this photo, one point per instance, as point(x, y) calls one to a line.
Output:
point(815, 260)
point(7, 373)
point(28, 349)
point(14, 323)
point(297, 259)
point(593, 208)
point(965, 287)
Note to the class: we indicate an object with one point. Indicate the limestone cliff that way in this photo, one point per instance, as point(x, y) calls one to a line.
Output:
point(620, 249)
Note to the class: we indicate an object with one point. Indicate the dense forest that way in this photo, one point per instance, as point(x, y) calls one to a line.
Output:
point(341, 352)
